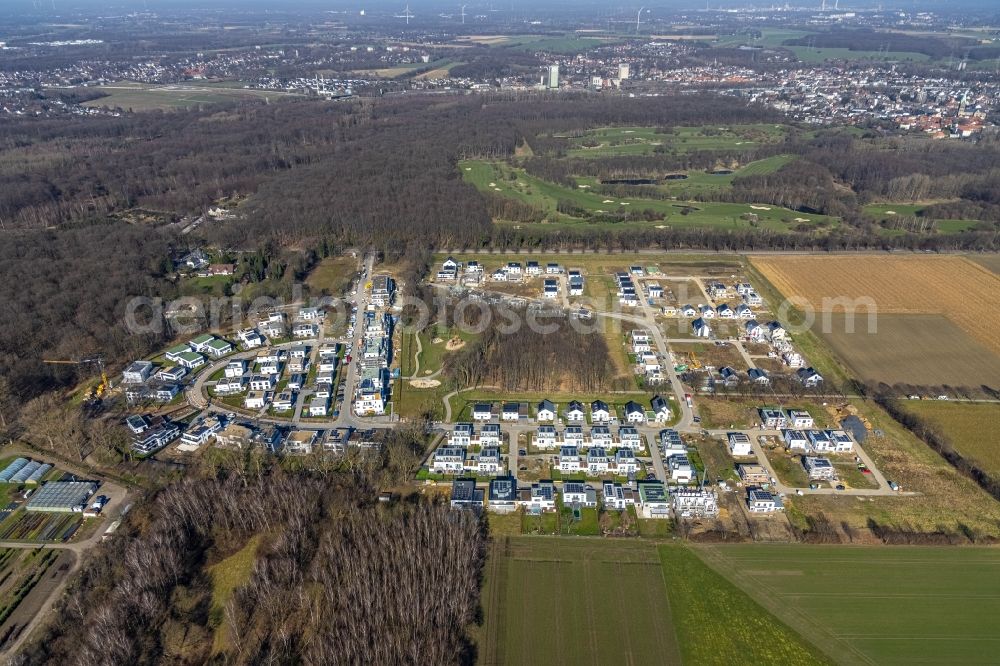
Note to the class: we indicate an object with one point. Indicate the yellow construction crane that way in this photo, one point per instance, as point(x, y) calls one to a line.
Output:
point(693, 361)
point(98, 361)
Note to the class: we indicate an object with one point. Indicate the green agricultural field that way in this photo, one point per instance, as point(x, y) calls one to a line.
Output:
point(889, 212)
point(965, 425)
point(814, 54)
point(553, 600)
point(889, 605)
point(577, 601)
point(502, 179)
point(769, 37)
point(143, 97)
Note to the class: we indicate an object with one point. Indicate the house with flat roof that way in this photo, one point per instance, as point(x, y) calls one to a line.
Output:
point(762, 501)
point(465, 495)
point(502, 496)
point(578, 494)
point(537, 498)
point(654, 502)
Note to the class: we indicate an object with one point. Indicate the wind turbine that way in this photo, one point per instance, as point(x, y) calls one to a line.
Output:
point(463, 13)
point(406, 14)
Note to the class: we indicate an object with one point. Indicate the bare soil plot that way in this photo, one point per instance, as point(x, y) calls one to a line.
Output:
point(964, 291)
point(926, 350)
point(988, 261)
point(968, 426)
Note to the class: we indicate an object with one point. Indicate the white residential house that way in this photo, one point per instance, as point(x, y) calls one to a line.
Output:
point(706, 312)
point(640, 341)
point(461, 435)
point(488, 462)
point(236, 368)
point(532, 268)
point(482, 411)
point(624, 462)
point(545, 437)
point(600, 435)
point(753, 299)
point(671, 443)
point(570, 460)
point(743, 311)
point(540, 497)
point(743, 288)
point(772, 419)
point(689, 311)
point(546, 411)
point(319, 406)
point(634, 413)
point(502, 496)
point(654, 502)
point(230, 385)
point(725, 312)
point(661, 409)
point(283, 402)
point(739, 444)
point(681, 470)
point(808, 377)
point(761, 501)
point(840, 441)
point(553, 269)
point(573, 436)
point(759, 376)
point(448, 460)
point(753, 330)
point(800, 419)
point(255, 400)
point(262, 382)
point(579, 494)
point(499, 275)
point(574, 411)
point(511, 411)
point(617, 496)
point(599, 412)
point(729, 376)
point(304, 330)
point(775, 331)
point(249, 338)
point(701, 329)
point(796, 440)
point(630, 438)
point(490, 435)
point(598, 461)
point(819, 469)
point(654, 290)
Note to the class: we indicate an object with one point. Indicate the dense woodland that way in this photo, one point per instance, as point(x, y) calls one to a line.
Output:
point(335, 578)
point(560, 359)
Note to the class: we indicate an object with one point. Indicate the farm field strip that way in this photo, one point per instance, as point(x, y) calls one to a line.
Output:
point(886, 605)
point(964, 291)
point(964, 425)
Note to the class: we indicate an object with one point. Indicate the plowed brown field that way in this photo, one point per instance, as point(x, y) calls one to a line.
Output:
point(965, 292)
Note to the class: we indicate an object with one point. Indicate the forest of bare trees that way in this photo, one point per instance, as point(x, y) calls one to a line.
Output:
point(564, 359)
point(336, 578)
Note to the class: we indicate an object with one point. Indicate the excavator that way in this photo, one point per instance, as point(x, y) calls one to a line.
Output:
point(96, 361)
point(693, 362)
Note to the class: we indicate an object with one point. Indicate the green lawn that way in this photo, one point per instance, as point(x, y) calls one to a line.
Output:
point(332, 275)
point(882, 605)
point(502, 179)
point(813, 54)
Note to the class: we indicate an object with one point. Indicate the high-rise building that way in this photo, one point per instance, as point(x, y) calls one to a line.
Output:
point(623, 70)
point(553, 76)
